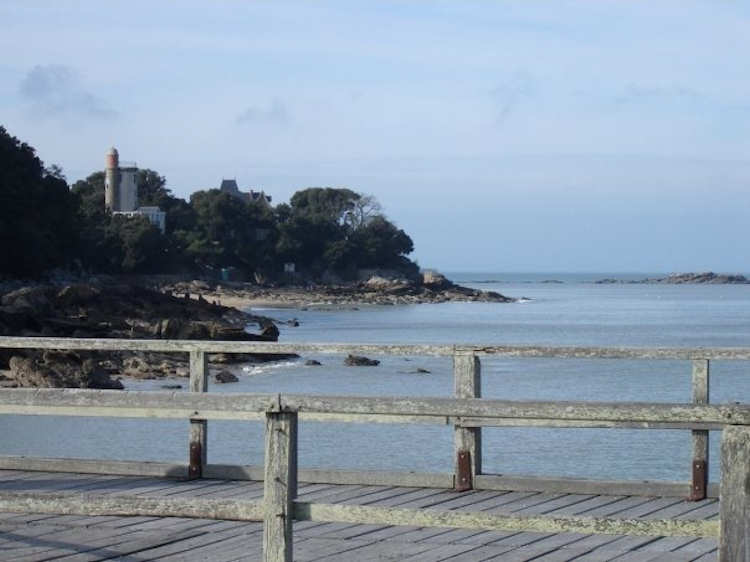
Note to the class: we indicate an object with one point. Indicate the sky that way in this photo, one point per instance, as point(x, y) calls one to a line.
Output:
point(559, 136)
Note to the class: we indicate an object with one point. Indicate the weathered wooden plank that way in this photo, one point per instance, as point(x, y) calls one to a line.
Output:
point(642, 509)
point(419, 497)
point(60, 542)
point(699, 548)
point(571, 352)
point(467, 441)
point(280, 485)
point(668, 544)
point(322, 549)
point(136, 543)
point(734, 541)
point(202, 544)
point(135, 404)
point(707, 511)
point(451, 500)
point(335, 494)
point(475, 407)
point(209, 346)
point(249, 406)
point(333, 417)
point(594, 424)
point(676, 510)
point(68, 503)
point(441, 552)
point(486, 552)
point(708, 557)
point(379, 552)
point(305, 511)
point(91, 466)
point(619, 508)
point(549, 505)
point(377, 478)
point(198, 442)
point(382, 494)
point(214, 346)
point(582, 486)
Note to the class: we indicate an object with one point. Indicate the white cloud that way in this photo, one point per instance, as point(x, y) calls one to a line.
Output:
point(56, 91)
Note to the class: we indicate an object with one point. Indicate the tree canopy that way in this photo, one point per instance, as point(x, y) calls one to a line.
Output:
point(37, 219)
point(44, 225)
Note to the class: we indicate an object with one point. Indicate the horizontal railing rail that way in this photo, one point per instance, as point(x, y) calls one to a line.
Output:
point(530, 351)
point(247, 406)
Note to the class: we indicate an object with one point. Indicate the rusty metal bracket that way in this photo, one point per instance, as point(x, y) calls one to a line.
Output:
point(195, 469)
point(700, 481)
point(463, 481)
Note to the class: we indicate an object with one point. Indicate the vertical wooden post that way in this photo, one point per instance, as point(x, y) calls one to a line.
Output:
point(280, 485)
point(699, 482)
point(467, 441)
point(198, 447)
point(734, 536)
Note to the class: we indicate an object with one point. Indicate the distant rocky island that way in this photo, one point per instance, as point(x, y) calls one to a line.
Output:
point(706, 278)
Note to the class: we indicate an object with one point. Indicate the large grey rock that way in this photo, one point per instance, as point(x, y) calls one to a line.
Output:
point(77, 294)
point(34, 298)
point(225, 377)
point(60, 370)
point(360, 361)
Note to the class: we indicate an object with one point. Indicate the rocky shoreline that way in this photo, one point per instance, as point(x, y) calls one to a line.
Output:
point(113, 311)
point(705, 278)
point(191, 310)
point(432, 289)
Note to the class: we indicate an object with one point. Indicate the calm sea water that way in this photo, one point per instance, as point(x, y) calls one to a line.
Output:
point(574, 312)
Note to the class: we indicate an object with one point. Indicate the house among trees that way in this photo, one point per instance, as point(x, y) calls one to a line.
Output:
point(230, 187)
point(121, 191)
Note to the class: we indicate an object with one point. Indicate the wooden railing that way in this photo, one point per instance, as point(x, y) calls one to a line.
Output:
point(467, 412)
point(467, 456)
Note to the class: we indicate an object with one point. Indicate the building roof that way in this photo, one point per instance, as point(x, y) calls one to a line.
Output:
point(229, 185)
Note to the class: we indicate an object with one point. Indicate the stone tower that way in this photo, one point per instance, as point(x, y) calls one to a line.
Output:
point(120, 184)
point(112, 180)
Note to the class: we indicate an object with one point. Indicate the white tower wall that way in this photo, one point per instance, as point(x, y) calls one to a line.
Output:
point(128, 189)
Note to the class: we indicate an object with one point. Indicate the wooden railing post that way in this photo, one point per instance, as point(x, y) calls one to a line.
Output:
point(734, 534)
point(467, 441)
point(280, 485)
point(699, 482)
point(198, 447)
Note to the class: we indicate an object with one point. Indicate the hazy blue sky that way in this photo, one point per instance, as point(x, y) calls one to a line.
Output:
point(556, 136)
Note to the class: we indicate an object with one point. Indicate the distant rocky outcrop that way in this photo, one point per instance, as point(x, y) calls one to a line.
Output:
point(379, 288)
point(706, 278)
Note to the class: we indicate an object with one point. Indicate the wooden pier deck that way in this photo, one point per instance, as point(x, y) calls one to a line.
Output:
point(42, 537)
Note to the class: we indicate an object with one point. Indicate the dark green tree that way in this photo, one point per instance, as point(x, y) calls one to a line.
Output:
point(230, 232)
point(37, 218)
